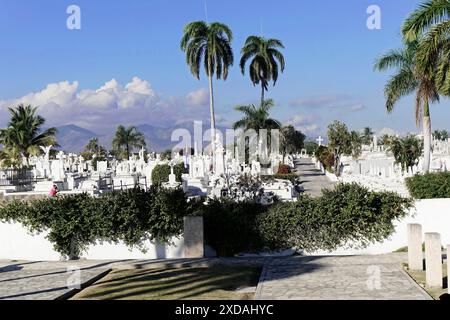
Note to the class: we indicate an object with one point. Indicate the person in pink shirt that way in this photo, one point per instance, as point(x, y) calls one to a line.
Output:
point(53, 191)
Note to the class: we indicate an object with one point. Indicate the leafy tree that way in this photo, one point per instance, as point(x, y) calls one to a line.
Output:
point(266, 61)
point(212, 44)
point(25, 134)
point(292, 141)
point(406, 151)
point(340, 142)
point(356, 144)
point(126, 139)
point(311, 147)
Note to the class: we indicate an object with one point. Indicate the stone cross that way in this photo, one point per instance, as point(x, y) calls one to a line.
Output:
point(319, 141)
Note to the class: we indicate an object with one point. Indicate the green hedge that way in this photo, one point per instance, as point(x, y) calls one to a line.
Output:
point(161, 172)
point(429, 186)
point(347, 215)
point(76, 221)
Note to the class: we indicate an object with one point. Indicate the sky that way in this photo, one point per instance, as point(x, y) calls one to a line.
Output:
point(125, 66)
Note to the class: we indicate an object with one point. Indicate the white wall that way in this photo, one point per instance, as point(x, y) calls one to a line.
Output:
point(432, 214)
point(17, 244)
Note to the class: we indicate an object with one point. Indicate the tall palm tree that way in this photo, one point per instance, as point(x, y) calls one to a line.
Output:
point(430, 24)
point(266, 61)
point(408, 79)
point(212, 44)
point(126, 139)
point(24, 133)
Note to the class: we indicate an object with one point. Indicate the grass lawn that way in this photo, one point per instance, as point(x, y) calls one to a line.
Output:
point(218, 282)
point(419, 277)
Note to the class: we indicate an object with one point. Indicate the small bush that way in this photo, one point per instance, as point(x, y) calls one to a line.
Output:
point(429, 186)
point(161, 172)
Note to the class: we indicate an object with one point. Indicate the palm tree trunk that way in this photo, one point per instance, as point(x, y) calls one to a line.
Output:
point(426, 137)
point(262, 93)
point(128, 152)
point(213, 119)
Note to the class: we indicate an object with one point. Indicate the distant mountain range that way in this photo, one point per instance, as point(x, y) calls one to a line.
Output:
point(73, 138)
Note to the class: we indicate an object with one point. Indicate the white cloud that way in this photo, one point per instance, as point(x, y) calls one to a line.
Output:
point(304, 123)
point(198, 98)
point(335, 102)
point(111, 104)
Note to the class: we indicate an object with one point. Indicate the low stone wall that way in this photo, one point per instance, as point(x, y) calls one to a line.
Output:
point(16, 243)
point(432, 214)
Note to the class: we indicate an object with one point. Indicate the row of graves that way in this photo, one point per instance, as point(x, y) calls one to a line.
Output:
point(221, 175)
point(377, 170)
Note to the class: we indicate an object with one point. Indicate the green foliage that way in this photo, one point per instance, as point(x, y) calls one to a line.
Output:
point(231, 227)
point(441, 135)
point(326, 157)
point(25, 134)
point(429, 186)
point(406, 151)
point(161, 172)
point(367, 136)
point(166, 155)
point(311, 147)
point(74, 222)
point(292, 141)
point(266, 61)
point(96, 160)
point(347, 216)
point(126, 139)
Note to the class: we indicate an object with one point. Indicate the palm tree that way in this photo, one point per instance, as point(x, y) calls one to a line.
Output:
point(367, 136)
point(257, 118)
point(431, 25)
point(126, 139)
point(266, 60)
point(212, 44)
point(408, 79)
point(24, 133)
point(95, 148)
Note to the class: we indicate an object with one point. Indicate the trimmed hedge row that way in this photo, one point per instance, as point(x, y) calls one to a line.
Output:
point(161, 172)
point(348, 214)
point(429, 186)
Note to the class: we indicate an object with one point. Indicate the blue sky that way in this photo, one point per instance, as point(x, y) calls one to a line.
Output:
point(69, 73)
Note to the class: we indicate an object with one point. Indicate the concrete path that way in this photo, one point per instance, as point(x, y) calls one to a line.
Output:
point(297, 277)
point(313, 181)
point(338, 278)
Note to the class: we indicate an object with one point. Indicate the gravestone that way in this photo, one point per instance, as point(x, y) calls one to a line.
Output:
point(193, 237)
point(433, 259)
point(415, 255)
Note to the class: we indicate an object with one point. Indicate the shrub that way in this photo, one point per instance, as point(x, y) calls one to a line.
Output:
point(429, 186)
point(326, 157)
point(77, 221)
point(230, 227)
point(293, 177)
point(284, 169)
point(161, 172)
point(349, 215)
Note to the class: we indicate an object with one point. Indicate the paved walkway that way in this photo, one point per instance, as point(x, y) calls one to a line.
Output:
point(298, 277)
point(313, 181)
point(338, 278)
